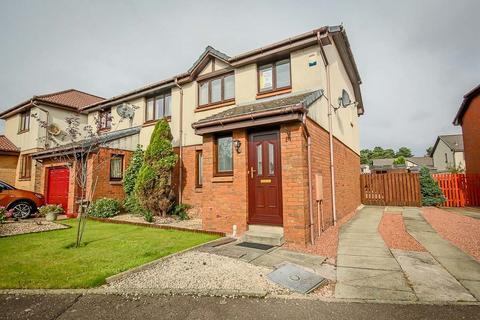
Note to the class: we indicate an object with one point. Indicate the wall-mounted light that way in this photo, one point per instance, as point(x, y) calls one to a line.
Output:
point(237, 144)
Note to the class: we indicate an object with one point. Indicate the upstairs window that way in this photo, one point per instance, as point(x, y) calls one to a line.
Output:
point(158, 107)
point(24, 121)
point(25, 167)
point(116, 167)
point(216, 90)
point(274, 76)
point(106, 119)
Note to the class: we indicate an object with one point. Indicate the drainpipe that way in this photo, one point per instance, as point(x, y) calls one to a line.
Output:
point(46, 122)
point(330, 127)
point(309, 162)
point(180, 153)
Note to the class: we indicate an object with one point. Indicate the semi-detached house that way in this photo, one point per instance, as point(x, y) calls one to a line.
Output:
point(268, 140)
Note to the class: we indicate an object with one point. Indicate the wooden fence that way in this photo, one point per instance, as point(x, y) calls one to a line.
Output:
point(391, 189)
point(460, 190)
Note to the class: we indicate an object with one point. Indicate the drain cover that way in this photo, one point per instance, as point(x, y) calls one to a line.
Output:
point(253, 245)
point(295, 278)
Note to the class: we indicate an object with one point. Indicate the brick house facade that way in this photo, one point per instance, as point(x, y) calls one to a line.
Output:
point(468, 117)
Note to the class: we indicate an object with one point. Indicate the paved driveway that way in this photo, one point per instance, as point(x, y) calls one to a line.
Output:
point(367, 269)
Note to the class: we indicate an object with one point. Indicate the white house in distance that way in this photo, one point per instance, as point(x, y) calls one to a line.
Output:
point(448, 152)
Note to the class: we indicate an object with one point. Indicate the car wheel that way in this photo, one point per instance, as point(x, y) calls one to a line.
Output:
point(21, 209)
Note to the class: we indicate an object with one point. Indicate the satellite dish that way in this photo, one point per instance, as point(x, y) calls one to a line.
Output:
point(344, 100)
point(53, 129)
point(125, 111)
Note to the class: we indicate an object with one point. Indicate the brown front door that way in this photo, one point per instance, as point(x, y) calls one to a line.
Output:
point(265, 179)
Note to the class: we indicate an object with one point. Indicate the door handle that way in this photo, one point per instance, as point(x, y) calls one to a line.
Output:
point(251, 172)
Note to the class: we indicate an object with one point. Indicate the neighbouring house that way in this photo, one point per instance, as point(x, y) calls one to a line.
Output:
point(8, 160)
point(254, 134)
point(468, 116)
point(447, 153)
point(365, 168)
point(38, 125)
point(386, 166)
point(414, 164)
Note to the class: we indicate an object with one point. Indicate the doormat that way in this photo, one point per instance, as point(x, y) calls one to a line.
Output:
point(296, 278)
point(253, 245)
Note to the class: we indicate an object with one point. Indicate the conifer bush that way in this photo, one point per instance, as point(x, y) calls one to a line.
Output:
point(431, 193)
point(153, 184)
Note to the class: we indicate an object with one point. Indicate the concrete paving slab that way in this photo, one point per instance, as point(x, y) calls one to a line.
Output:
point(381, 263)
point(361, 243)
point(473, 287)
point(430, 281)
point(462, 269)
point(345, 291)
point(242, 253)
point(446, 250)
point(382, 279)
point(364, 251)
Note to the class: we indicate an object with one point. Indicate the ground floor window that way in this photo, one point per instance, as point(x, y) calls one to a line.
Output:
point(224, 155)
point(26, 167)
point(116, 167)
point(199, 171)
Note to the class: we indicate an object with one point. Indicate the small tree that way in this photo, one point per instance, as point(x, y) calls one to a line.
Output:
point(153, 186)
point(404, 152)
point(431, 193)
point(399, 160)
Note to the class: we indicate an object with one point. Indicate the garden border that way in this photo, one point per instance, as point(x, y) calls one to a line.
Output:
point(158, 226)
point(20, 234)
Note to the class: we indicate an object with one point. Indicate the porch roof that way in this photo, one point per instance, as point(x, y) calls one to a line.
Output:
point(94, 143)
point(267, 111)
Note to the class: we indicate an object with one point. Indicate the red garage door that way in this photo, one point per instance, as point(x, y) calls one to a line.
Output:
point(57, 187)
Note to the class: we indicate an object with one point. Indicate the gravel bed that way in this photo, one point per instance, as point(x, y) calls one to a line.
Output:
point(171, 221)
point(395, 235)
point(462, 231)
point(11, 228)
point(325, 245)
point(202, 272)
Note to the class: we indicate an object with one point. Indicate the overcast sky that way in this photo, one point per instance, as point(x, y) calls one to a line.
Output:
point(416, 58)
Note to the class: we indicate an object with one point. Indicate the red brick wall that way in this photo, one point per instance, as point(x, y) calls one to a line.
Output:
point(98, 180)
point(347, 175)
point(471, 136)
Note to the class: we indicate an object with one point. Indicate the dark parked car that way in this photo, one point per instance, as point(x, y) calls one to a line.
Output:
point(22, 202)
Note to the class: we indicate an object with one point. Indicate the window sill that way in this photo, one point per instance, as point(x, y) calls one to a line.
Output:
point(273, 93)
point(22, 131)
point(102, 130)
point(198, 190)
point(24, 179)
point(222, 179)
point(113, 182)
point(154, 122)
point(215, 105)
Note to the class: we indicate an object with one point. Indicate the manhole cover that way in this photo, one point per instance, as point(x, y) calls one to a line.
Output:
point(253, 245)
point(295, 278)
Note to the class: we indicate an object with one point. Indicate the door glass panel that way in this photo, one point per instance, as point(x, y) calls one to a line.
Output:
point(259, 160)
point(271, 159)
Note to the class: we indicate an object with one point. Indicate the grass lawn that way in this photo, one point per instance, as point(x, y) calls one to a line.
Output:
point(48, 259)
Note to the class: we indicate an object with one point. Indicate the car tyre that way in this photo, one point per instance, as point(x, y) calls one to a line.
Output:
point(22, 209)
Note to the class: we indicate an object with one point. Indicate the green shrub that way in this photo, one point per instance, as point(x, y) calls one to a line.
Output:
point(4, 214)
point(153, 185)
point(181, 210)
point(148, 216)
point(50, 208)
point(132, 171)
point(104, 208)
point(431, 193)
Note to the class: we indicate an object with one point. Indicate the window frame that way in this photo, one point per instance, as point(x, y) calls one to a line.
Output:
point(154, 106)
point(209, 91)
point(24, 125)
point(198, 154)
point(122, 159)
point(217, 173)
point(108, 121)
point(26, 167)
point(274, 76)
